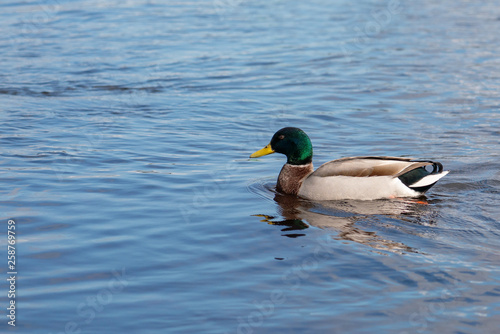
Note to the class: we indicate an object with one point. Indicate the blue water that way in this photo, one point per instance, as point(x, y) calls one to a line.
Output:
point(125, 131)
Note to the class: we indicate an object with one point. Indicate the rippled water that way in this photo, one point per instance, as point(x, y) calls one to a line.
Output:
point(125, 134)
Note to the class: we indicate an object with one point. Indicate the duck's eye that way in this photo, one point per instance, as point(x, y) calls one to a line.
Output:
point(281, 137)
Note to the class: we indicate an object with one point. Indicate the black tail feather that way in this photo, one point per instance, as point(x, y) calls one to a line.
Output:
point(415, 175)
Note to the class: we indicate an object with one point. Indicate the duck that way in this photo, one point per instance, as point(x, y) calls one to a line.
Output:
point(354, 178)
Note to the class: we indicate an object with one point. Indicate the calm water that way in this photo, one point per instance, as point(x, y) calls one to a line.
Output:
point(125, 132)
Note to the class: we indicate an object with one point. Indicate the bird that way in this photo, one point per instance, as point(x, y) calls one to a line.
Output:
point(355, 178)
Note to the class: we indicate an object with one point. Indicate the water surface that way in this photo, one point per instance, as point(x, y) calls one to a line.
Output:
point(125, 134)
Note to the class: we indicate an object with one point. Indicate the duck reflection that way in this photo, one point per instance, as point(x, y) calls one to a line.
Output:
point(342, 217)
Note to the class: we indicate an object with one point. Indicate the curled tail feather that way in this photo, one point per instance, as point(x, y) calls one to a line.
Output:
point(420, 179)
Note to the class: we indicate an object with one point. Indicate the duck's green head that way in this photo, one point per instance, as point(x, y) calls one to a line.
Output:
point(292, 142)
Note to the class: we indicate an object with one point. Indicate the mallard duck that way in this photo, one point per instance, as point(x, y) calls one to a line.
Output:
point(362, 178)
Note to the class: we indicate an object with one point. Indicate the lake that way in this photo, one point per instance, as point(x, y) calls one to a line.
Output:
point(126, 129)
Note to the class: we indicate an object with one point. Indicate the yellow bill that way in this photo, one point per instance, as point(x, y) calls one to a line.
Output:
point(265, 151)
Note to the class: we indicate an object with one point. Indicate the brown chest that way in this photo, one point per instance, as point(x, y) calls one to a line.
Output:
point(291, 178)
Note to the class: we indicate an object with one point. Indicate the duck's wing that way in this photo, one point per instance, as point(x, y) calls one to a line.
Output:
point(377, 166)
point(371, 178)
